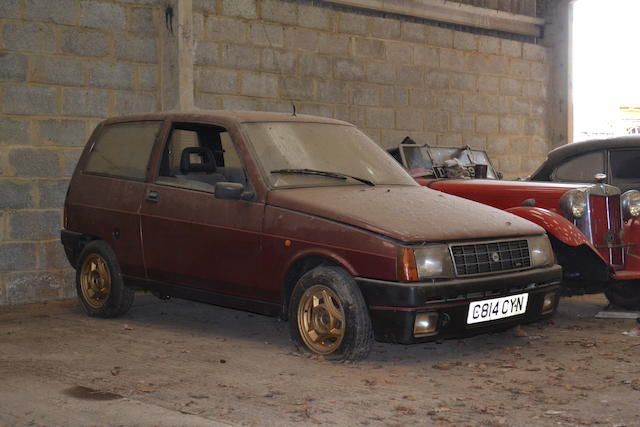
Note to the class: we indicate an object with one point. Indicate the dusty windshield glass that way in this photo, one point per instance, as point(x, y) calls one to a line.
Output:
point(293, 154)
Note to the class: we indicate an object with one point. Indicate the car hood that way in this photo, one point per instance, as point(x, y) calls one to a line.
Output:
point(504, 194)
point(405, 213)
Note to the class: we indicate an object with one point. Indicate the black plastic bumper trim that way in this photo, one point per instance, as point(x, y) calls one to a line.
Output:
point(396, 295)
point(393, 305)
point(70, 240)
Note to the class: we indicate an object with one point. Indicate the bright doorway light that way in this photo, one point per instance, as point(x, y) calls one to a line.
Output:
point(606, 66)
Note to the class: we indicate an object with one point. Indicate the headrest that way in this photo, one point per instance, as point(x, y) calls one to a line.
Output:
point(207, 165)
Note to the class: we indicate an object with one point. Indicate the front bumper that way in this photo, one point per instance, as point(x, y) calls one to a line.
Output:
point(393, 305)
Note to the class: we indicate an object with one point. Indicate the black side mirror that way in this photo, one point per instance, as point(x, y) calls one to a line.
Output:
point(229, 190)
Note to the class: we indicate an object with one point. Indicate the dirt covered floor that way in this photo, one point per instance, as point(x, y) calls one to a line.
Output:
point(183, 363)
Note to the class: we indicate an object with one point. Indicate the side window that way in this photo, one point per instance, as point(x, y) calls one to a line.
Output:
point(197, 156)
point(581, 168)
point(624, 166)
point(123, 150)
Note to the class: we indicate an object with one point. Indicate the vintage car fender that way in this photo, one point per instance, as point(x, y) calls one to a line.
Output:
point(555, 224)
point(631, 232)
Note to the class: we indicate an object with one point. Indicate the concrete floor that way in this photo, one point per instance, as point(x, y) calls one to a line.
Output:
point(182, 363)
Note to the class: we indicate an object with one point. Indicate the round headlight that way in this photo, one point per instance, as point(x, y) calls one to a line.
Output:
point(630, 204)
point(574, 203)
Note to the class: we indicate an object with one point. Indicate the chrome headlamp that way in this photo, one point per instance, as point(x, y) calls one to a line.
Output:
point(540, 251)
point(433, 261)
point(630, 201)
point(574, 203)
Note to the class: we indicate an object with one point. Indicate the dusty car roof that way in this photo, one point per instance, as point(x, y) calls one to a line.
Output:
point(572, 149)
point(238, 116)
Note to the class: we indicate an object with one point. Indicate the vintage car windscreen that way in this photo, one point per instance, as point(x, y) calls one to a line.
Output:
point(292, 153)
point(422, 160)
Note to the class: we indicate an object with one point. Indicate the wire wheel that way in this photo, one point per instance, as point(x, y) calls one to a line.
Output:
point(95, 281)
point(321, 319)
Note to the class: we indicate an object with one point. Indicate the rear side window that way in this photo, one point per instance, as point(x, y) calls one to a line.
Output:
point(581, 168)
point(123, 150)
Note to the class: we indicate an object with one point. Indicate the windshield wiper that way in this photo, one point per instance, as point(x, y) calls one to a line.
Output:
point(336, 175)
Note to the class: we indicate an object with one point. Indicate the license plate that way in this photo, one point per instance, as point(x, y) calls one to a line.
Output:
point(497, 308)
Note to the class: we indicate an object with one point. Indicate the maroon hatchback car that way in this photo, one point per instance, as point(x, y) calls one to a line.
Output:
point(300, 217)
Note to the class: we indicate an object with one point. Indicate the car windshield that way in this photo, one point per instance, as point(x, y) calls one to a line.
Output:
point(299, 154)
point(422, 160)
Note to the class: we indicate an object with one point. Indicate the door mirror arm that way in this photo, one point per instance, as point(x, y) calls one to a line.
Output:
point(247, 195)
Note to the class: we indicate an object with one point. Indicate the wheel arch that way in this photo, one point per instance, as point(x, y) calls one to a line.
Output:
point(302, 264)
point(583, 269)
point(74, 243)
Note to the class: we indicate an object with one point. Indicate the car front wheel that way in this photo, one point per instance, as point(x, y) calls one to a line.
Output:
point(99, 283)
point(624, 294)
point(328, 315)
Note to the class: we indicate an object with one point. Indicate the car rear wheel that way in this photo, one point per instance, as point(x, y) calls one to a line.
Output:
point(328, 315)
point(624, 294)
point(99, 283)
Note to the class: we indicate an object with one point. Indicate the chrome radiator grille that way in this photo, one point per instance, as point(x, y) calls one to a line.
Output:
point(484, 258)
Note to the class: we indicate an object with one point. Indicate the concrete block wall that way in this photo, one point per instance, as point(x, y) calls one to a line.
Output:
point(64, 65)
point(391, 76)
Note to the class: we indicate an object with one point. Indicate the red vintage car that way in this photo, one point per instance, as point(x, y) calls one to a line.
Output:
point(594, 229)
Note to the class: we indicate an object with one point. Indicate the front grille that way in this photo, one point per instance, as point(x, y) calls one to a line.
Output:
point(485, 258)
point(605, 223)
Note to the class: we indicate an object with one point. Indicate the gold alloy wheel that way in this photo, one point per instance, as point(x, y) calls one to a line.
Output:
point(95, 281)
point(321, 319)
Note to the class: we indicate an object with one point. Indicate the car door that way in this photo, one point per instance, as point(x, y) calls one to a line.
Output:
point(191, 238)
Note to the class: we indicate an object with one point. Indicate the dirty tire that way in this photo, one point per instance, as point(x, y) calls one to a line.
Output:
point(328, 315)
point(99, 283)
point(624, 294)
